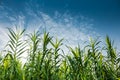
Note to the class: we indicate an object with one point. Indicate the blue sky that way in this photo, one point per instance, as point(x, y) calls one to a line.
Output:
point(84, 18)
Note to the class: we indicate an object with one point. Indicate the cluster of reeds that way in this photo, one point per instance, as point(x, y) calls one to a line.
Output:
point(47, 61)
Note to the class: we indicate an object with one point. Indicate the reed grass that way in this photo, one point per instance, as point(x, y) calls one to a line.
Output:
point(46, 59)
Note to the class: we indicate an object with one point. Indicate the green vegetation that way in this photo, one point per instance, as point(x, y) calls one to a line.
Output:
point(47, 61)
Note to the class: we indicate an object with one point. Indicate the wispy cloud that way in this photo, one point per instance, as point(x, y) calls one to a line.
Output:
point(74, 29)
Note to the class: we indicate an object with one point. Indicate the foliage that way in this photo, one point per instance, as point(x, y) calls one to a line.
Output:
point(47, 61)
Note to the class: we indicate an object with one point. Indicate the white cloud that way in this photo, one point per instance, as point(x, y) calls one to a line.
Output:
point(3, 37)
point(74, 29)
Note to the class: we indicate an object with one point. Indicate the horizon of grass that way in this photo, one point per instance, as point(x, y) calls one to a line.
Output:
point(53, 63)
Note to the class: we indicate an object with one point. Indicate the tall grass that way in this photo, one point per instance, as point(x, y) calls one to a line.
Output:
point(46, 59)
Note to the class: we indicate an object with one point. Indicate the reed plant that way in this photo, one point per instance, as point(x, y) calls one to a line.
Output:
point(47, 60)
